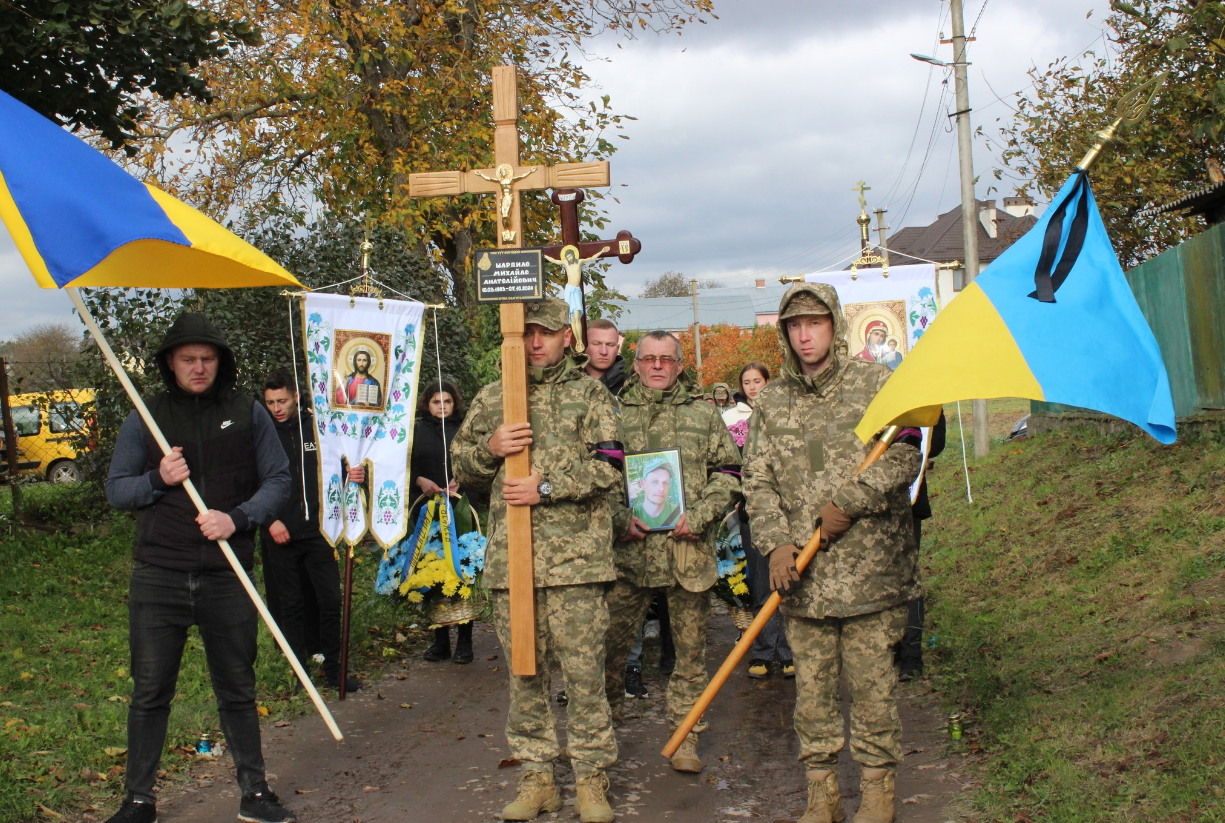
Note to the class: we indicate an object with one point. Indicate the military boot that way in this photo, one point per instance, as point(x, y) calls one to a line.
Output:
point(537, 793)
point(686, 758)
point(877, 789)
point(591, 803)
point(824, 798)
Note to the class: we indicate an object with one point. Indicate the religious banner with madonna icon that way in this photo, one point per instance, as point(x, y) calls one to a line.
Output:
point(363, 356)
point(885, 315)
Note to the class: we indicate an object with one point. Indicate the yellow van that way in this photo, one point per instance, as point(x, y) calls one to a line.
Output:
point(48, 424)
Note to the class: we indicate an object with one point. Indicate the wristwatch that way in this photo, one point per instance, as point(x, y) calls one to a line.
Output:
point(545, 490)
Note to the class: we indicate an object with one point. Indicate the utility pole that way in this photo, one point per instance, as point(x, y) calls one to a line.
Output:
point(697, 329)
point(881, 230)
point(969, 205)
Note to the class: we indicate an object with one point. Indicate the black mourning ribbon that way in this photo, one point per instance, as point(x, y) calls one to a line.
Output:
point(1046, 281)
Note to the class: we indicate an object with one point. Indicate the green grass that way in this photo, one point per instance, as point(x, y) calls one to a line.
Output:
point(64, 684)
point(1079, 609)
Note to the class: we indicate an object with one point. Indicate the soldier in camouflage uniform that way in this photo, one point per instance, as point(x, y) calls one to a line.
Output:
point(850, 609)
point(576, 463)
point(661, 409)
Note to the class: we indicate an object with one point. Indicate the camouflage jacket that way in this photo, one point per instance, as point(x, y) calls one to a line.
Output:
point(571, 414)
point(802, 452)
point(710, 468)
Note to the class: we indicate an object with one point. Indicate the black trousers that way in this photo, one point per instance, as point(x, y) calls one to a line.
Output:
point(162, 605)
point(306, 578)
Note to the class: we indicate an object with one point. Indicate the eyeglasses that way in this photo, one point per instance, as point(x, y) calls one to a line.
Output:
point(651, 360)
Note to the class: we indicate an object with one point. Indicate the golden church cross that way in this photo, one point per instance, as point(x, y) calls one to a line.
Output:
point(506, 180)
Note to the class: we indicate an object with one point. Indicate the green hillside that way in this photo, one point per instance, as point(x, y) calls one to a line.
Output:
point(1079, 612)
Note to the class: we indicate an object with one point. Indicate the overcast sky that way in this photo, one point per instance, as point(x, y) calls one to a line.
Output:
point(753, 129)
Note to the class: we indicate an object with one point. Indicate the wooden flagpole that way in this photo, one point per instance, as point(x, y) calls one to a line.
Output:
point(189, 487)
point(767, 611)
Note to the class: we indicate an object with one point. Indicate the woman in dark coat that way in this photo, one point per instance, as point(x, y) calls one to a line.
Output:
point(440, 412)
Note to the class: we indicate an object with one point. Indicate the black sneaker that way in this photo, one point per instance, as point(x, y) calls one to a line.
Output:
point(135, 811)
point(633, 683)
point(562, 698)
point(264, 807)
point(910, 671)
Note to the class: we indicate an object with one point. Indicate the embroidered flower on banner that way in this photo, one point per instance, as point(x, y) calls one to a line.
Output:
point(921, 308)
point(388, 501)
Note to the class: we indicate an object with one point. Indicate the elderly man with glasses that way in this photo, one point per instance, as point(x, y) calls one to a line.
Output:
point(661, 408)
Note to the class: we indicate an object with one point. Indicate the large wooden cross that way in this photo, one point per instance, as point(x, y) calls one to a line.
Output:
point(506, 180)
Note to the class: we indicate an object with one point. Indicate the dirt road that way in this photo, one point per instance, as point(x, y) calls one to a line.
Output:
point(438, 761)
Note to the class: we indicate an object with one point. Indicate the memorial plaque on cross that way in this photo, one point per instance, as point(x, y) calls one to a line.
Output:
point(505, 181)
point(571, 254)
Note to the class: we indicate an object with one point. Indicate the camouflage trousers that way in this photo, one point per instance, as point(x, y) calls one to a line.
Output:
point(571, 622)
point(863, 647)
point(688, 613)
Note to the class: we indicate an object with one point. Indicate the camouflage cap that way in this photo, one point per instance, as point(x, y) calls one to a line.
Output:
point(657, 464)
point(803, 304)
point(551, 313)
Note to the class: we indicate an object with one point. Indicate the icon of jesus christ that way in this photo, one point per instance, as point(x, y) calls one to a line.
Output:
point(359, 388)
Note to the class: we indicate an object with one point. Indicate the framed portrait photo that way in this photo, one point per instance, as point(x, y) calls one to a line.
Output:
point(654, 488)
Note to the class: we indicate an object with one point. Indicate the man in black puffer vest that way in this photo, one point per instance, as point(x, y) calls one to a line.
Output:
point(298, 562)
point(226, 443)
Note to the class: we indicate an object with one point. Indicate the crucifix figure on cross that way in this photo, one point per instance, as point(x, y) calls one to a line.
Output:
point(506, 180)
point(505, 177)
point(573, 292)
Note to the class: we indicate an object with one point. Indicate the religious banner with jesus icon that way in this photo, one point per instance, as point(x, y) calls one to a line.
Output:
point(363, 356)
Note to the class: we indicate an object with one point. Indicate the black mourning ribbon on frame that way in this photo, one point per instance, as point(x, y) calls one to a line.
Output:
point(1046, 281)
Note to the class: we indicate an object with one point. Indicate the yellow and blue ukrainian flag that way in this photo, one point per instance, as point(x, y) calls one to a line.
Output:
point(1051, 319)
point(80, 220)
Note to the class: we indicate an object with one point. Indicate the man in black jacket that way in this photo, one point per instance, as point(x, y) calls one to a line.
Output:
point(225, 442)
point(295, 553)
point(604, 360)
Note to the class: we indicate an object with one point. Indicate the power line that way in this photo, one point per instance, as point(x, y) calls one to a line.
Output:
point(892, 190)
point(802, 258)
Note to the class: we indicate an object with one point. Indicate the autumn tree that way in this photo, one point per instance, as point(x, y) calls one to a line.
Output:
point(342, 100)
point(87, 63)
point(42, 358)
point(256, 322)
point(1156, 161)
point(726, 349)
point(675, 284)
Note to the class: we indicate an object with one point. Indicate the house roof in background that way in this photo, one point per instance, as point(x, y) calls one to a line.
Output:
point(738, 306)
point(942, 241)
